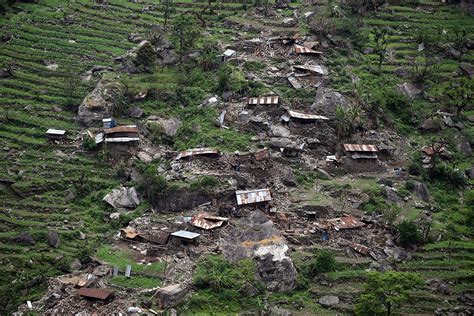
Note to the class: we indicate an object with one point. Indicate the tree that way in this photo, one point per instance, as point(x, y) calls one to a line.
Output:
point(185, 34)
point(461, 94)
point(409, 233)
point(322, 263)
point(168, 9)
point(343, 123)
point(460, 40)
point(209, 56)
point(390, 214)
point(381, 42)
point(386, 291)
point(421, 70)
point(145, 56)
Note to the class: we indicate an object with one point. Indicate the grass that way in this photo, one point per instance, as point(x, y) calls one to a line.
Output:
point(135, 281)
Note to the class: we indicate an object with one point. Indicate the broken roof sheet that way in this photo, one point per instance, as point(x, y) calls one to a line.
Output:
point(53, 131)
point(345, 222)
point(265, 100)
point(304, 116)
point(159, 237)
point(122, 139)
point(360, 248)
point(121, 129)
point(208, 221)
point(294, 82)
point(305, 50)
point(313, 68)
point(360, 148)
point(430, 151)
point(95, 293)
point(253, 196)
point(229, 53)
point(197, 152)
point(185, 234)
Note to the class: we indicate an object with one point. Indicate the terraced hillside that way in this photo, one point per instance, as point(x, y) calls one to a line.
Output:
point(57, 52)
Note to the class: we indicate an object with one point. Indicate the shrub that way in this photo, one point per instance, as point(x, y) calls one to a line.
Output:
point(409, 233)
point(322, 263)
point(204, 183)
point(88, 143)
point(410, 185)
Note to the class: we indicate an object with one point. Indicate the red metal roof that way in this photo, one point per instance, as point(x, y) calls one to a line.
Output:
point(95, 293)
point(268, 100)
point(360, 248)
point(360, 148)
point(121, 129)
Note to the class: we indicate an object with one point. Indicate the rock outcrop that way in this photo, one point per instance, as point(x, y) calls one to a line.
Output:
point(123, 198)
point(327, 100)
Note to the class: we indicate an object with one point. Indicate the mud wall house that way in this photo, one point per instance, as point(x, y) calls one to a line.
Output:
point(360, 158)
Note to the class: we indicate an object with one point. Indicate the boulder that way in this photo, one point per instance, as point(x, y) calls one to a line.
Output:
point(392, 195)
point(24, 239)
point(167, 57)
point(135, 112)
point(422, 192)
point(409, 90)
point(327, 100)
point(259, 239)
point(53, 239)
point(123, 198)
point(279, 130)
point(75, 265)
point(99, 103)
point(289, 22)
point(170, 125)
point(430, 125)
point(287, 177)
point(329, 300)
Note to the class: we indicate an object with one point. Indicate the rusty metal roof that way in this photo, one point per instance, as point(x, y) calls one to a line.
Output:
point(304, 116)
point(345, 222)
point(253, 196)
point(305, 50)
point(129, 233)
point(265, 100)
point(360, 148)
point(196, 152)
point(360, 248)
point(95, 293)
point(207, 221)
point(121, 129)
point(159, 237)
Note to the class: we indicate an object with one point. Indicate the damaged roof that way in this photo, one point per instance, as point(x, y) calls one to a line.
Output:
point(360, 148)
point(197, 152)
point(129, 233)
point(265, 100)
point(305, 50)
point(207, 221)
point(430, 150)
point(185, 234)
point(121, 129)
point(345, 222)
point(53, 131)
point(253, 196)
point(95, 293)
point(360, 248)
point(304, 116)
point(313, 68)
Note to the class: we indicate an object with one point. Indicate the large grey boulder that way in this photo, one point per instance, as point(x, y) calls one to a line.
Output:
point(123, 198)
point(463, 145)
point(329, 300)
point(327, 100)
point(287, 176)
point(409, 90)
point(259, 239)
point(53, 239)
point(430, 125)
point(99, 104)
point(422, 192)
point(170, 125)
point(279, 130)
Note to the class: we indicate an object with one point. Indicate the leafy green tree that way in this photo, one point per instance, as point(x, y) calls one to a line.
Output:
point(209, 56)
point(461, 94)
point(386, 291)
point(168, 8)
point(185, 33)
point(322, 263)
point(145, 56)
point(391, 214)
point(409, 233)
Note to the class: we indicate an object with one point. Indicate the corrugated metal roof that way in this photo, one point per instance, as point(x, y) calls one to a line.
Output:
point(122, 139)
point(229, 53)
point(304, 116)
point(207, 221)
point(185, 234)
point(99, 138)
point(305, 50)
point(360, 248)
point(345, 222)
point(360, 148)
point(264, 100)
point(121, 129)
point(196, 152)
point(53, 131)
point(95, 293)
point(253, 196)
point(313, 68)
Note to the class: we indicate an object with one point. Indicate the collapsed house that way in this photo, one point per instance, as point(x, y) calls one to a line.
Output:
point(429, 152)
point(305, 50)
point(264, 100)
point(317, 69)
point(183, 237)
point(122, 134)
point(55, 134)
point(258, 196)
point(207, 152)
point(95, 294)
point(207, 221)
point(345, 222)
point(305, 118)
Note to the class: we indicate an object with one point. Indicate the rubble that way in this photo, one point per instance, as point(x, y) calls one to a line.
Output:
point(171, 295)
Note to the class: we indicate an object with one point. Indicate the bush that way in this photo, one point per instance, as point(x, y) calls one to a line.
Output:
point(204, 183)
point(410, 185)
point(88, 143)
point(409, 233)
point(322, 263)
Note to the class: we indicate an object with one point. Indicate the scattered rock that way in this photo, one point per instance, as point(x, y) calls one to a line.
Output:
point(82, 236)
point(287, 177)
point(277, 311)
point(430, 125)
point(53, 239)
point(123, 198)
point(289, 22)
point(135, 112)
point(392, 195)
point(409, 90)
point(24, 239)
point(75, 265)
point(170, 125)
point(329, 300)
point(279, 130)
